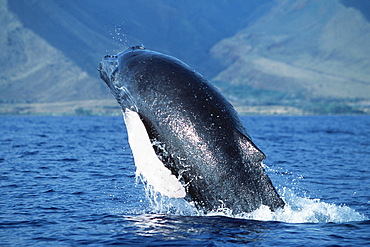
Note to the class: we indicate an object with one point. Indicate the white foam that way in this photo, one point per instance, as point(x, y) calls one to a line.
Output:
point(147, 164)
point(296, 210)
point(299, 210)
point(307, 210)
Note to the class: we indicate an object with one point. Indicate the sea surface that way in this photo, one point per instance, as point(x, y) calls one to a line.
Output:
point(70, 181)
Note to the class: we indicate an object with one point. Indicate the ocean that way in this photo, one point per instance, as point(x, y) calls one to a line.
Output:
point(70, 181)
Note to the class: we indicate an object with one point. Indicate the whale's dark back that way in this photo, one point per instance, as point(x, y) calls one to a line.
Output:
point(209, 149)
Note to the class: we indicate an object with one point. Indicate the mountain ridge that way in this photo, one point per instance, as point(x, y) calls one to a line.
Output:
point(270, 56)
point(257, 55)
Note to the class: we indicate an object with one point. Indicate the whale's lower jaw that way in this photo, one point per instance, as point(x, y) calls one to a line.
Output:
point(147, 163)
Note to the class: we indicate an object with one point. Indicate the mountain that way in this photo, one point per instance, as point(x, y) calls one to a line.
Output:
point(307, 51)
point(85, 30)
point(293, 57)
point(55, 46)
point(33, 70)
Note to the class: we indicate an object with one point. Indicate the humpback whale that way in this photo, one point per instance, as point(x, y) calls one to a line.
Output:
point(186, 138)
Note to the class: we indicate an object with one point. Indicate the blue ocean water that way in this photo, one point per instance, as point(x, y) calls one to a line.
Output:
point(69, 181)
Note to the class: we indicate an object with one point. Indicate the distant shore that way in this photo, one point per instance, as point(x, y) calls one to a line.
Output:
point(81, 108)
point(109, 107)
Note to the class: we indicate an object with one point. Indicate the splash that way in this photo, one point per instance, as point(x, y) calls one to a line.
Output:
point(297, 209)
point(119, 37)
point(302, 210)
point(159, 204)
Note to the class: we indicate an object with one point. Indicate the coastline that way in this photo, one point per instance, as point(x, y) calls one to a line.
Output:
point(109, 107)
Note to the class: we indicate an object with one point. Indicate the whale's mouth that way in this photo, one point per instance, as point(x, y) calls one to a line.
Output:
point(109, 72)
point(107, 69)
point(107, 66)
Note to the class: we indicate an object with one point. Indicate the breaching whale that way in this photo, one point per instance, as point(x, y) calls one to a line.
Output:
point(186, 138)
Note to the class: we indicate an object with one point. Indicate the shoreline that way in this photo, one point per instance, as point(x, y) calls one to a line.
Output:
point(109, 107)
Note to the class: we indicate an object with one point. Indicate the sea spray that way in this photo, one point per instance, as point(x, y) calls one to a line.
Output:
point(305, 210)
point(159, 204)
point(297, 209)
point(119, 37)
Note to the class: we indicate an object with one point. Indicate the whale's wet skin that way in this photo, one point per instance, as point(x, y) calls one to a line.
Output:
point(186, 138)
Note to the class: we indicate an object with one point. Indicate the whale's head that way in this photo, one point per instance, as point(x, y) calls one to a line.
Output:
point(113, 73)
